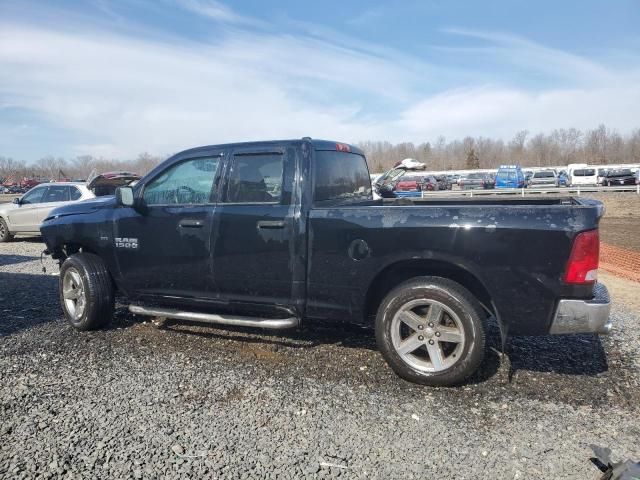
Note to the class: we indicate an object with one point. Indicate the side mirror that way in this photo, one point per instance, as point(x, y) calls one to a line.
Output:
point(124, 196)
point(16, 200)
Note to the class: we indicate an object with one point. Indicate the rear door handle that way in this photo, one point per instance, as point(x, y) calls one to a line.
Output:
point(271, 224)
point(190, 223)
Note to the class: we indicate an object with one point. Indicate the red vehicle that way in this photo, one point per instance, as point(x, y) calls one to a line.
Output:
point(30, 183)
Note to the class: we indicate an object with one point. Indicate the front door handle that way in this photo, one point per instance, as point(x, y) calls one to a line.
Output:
point(190, 223)
point(271, 224)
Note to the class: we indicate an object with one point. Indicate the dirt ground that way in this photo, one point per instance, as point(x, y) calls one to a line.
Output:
point(620, 225)
point(622, 291)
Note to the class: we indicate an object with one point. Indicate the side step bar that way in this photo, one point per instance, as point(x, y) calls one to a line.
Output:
point(271, 323)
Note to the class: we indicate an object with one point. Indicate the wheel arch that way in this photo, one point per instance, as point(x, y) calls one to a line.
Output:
point(403, 270)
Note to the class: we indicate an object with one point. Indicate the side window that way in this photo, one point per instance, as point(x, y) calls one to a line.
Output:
point(187, 183)
point(75, 193)
point(341, 176)
point(33, 196)
point(56, 193)
point(255, 178)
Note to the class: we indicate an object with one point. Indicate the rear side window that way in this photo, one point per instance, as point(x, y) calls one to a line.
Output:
point(56, 193)
point(341, 176)
point(187, 183)
point(75, 193)
point(255, 178)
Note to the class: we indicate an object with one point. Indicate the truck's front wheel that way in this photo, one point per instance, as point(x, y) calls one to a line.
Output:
point(431, 330)
point(86, 291)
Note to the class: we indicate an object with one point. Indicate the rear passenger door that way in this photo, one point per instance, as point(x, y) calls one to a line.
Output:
point(254, 246)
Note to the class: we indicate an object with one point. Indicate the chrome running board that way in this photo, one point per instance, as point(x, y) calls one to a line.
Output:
point(270, 323)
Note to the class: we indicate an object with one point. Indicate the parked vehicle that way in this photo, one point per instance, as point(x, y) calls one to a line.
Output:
point(471, 181)
point(410, 164)
point(489, 181)
point(26, 214)
point(527, 177)
point(106, 183)
point(620, 177)
point(443, 182)
point(581, 174)
point(544, 179)
point(274, 234)
point(563, 179)
point(510, 176)
point(385, 184)
point(409, 186)
point(602, 173)
point(16, 190)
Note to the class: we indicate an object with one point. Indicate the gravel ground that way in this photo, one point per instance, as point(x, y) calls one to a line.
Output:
point(184, 401)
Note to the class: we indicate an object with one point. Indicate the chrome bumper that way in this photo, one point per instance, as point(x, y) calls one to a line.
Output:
point(584, 316)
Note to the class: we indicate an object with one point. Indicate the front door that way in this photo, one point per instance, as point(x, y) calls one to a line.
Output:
point(255, 249)
point(163, 248)
point(25, 217)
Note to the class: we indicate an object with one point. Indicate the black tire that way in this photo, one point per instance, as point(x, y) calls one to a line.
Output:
point(461, 304)
point(96, 289)
point(5, 235)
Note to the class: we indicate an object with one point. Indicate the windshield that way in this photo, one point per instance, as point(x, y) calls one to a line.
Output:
point(475, 175)
point(507, 175)
point(620, 173)
point(584, 172)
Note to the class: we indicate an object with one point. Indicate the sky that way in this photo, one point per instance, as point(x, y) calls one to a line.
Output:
point(115, 78)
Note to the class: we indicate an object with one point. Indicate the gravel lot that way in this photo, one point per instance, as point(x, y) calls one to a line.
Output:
point(185, 401)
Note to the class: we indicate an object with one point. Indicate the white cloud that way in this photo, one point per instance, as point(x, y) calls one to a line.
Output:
point(215, 10)
point(125, 95)
point(494, 111)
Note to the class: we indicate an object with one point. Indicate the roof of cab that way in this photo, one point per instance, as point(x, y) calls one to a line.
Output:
point(320, 145)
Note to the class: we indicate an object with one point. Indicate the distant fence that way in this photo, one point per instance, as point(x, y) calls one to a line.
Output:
point(532, 191)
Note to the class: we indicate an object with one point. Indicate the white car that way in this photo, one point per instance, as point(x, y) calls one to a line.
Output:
point(26, 214)
point(582, 174)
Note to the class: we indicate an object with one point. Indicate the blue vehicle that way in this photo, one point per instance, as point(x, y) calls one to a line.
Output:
point(510, 176)
point(563, 179)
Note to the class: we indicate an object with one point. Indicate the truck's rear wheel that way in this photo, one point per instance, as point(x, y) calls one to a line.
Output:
point(5, 235)
point(431, 330)
point(86, 291)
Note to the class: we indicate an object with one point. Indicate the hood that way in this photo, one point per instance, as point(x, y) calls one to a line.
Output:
point(106, 183)
point(83, 207)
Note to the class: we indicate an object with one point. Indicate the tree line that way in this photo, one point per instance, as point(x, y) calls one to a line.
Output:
point(79, 168)
point(599, 146)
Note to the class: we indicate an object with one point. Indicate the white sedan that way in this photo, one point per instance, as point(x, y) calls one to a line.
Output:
point(26, 214)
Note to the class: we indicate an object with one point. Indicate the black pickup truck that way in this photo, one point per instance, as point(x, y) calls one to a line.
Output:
point(274, 234)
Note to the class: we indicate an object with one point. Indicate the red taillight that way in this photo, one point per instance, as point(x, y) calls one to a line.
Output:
point(583, 261)
point(343, 147)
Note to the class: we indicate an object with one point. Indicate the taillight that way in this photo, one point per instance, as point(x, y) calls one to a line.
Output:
point(582, 266)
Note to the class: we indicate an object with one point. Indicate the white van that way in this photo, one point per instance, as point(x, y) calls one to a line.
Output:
point(582, 174)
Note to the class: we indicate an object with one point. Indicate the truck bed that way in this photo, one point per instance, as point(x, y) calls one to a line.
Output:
point(516, 248)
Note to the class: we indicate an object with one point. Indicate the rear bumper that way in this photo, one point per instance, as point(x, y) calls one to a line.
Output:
point(583, 316)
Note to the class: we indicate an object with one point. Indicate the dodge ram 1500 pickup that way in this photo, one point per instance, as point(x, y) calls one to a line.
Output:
point(274, 234)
